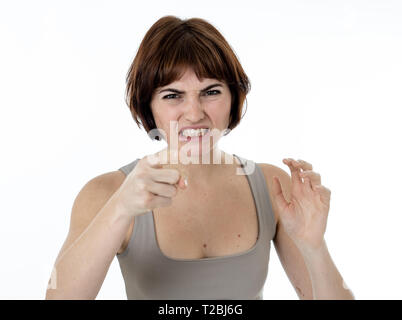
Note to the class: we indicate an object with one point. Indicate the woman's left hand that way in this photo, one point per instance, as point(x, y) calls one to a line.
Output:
point(305, 217)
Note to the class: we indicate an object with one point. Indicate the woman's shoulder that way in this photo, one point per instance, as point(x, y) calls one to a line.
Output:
point(111, 179)
point(270, 171)
point(105, 183)
point(95, 193)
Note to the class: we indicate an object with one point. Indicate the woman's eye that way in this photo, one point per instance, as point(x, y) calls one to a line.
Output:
point(166, 97)
point(173, 95)
point(217, 92)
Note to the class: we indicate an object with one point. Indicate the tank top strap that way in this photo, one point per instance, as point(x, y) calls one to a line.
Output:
point(129, 167)
point(260, 192)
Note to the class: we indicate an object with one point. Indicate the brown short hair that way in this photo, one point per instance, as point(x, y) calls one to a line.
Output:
point(167, 49)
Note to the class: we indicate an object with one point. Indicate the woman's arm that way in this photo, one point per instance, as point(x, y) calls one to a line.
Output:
point(327, 283)
point(97, 230)
point(311, 272)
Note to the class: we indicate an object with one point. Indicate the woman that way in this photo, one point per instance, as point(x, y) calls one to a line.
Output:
point(192, 221)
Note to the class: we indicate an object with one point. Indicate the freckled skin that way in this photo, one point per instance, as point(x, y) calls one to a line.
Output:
point(204, 245)
point(238, 235)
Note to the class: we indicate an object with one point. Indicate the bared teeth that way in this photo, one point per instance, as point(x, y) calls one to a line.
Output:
point(194, 132)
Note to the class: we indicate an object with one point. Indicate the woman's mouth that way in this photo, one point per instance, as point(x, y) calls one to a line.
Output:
point(194, 134)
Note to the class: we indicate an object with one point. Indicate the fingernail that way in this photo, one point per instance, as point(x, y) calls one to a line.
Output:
point(185, 182)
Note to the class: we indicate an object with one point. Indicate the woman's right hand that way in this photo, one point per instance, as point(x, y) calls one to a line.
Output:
point(149, 186)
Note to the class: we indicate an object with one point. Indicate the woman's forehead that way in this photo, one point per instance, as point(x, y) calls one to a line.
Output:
point(188, 75)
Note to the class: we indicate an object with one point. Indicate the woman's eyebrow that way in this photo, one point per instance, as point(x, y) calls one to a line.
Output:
point(203, 90)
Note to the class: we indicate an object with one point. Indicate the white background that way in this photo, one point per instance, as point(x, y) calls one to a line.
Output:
point(326, 87)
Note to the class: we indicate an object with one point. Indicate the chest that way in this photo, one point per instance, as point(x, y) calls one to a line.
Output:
point(208, 222)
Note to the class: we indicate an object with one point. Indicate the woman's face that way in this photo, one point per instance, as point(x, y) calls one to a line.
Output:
point(189, 102)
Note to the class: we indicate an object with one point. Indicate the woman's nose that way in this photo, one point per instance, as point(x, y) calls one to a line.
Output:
point(194, 110)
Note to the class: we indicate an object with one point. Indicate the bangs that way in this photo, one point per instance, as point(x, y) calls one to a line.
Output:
point(186, 50)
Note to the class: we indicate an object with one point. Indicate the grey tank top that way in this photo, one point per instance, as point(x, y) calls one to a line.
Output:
point(150, 275)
